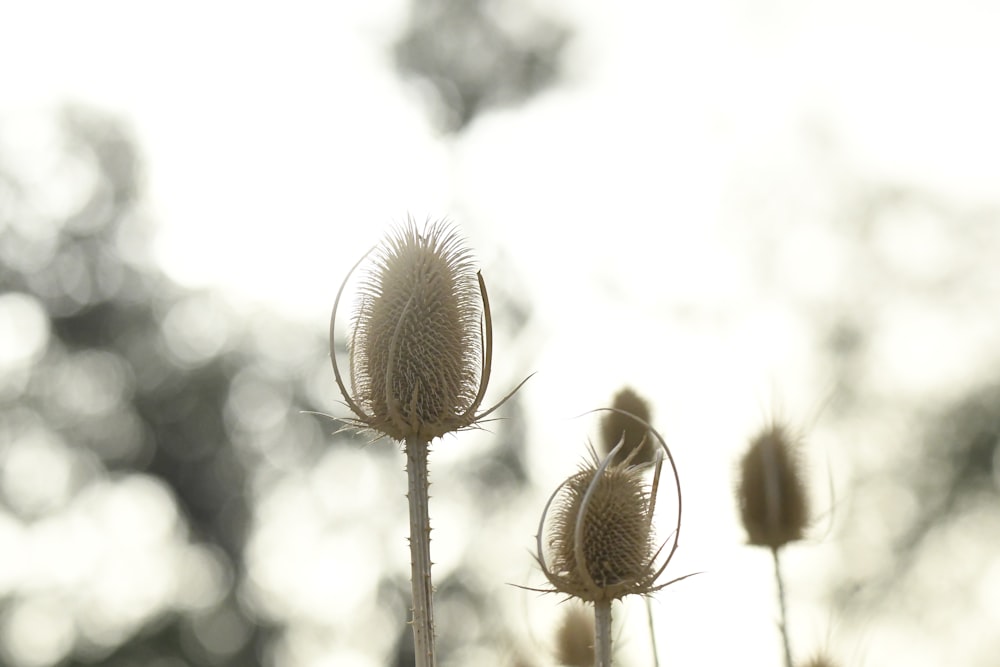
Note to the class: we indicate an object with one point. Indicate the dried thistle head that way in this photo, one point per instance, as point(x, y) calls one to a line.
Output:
point(771, 491)
point(598, 530)
point(575, 637)
point(419, 356)
point(640, 447)
point(615, 554)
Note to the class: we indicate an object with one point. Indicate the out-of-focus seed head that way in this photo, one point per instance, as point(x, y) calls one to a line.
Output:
point(419, 362)
point(575, 637)
point(820, 660)
point(640, 447)
point(617, 545)
point(771, 490)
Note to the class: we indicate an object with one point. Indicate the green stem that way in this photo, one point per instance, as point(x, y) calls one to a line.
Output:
point(781, 603)
point(602, 633)
point(420, 553)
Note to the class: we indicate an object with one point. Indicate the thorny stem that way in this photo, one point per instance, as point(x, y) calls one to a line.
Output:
point(781, 603)
point(602, 633)
point(420, 552)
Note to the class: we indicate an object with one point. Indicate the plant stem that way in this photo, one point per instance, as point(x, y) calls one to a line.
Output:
point(602, 633)
point(420, 553)
point(781, 604)
point(652, 631)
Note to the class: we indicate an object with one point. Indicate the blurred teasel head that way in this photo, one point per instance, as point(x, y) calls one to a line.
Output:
point(771, 490)
point(598, 532)
point(419, 352)
point(618, 425)
point(575, 637)
point(820, 660)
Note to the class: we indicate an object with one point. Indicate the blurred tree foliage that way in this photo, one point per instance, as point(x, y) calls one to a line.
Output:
point(141, 423)
point(473, 56)
point(124, 375)
point(920, 520)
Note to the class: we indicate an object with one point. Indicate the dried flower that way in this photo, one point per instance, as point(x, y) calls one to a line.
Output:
point(419, 357)
point(619, 425)
point(771, 490)
point(419, 363)
point(599, 541)
point(610, 508)
point(598, 529)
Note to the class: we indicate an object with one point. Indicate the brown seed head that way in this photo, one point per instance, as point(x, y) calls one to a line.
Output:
point(616, 426)
point(820, 660)
point(608, 509)
point(417, 360)
point(771, 491)
point(575, 637)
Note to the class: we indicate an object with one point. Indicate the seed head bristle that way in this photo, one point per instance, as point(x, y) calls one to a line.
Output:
point(771, 491)
point(618, 548)
point(616, 426)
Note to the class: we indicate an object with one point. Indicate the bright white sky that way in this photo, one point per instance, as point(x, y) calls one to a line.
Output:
point(280, 145)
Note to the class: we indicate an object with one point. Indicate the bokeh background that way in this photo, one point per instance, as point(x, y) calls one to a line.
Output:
point(744, 209)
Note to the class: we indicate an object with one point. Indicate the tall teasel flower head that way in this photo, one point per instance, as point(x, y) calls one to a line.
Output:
point(420, 355)
point(597, 529)
point(771, 491)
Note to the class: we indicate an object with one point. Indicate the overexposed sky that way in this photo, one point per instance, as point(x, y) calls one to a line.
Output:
point(631, 196)
point(278, 135)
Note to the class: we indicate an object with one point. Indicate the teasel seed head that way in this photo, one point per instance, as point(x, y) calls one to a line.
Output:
point(597, 528)
point(772, 492)
point(420, 357)
point(616, 557)
point(640, 447)
point(575, 637)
